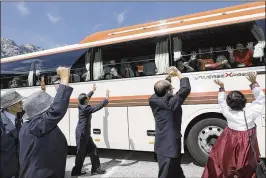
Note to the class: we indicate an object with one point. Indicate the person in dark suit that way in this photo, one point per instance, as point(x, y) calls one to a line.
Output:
point(84, 140)
point(10, 124)
point(167, 112)
point(43, 146)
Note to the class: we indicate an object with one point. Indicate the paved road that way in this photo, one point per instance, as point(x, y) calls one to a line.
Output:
point(131, 164)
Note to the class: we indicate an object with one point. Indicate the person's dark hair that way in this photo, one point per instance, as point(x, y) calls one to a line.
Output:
point(82, 98)
point(161, 88)
point(236, 100)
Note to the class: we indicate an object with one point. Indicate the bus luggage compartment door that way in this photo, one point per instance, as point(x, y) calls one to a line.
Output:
point(109, 128)
point(141, 128)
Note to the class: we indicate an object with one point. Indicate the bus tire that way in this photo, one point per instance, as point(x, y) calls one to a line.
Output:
point(212, 127)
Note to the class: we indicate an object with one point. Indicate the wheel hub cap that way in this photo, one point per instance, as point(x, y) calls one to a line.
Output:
point(207, 138)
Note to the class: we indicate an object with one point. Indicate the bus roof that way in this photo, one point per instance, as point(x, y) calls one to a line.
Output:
point(196, 18)
point(213, 18)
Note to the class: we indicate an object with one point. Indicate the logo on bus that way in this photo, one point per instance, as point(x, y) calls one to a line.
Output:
point(225, 75)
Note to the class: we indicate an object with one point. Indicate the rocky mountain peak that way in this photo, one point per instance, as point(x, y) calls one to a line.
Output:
point(10, 48)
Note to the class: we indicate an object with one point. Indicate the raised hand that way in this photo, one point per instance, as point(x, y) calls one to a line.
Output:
point(252, 76)
point(64, 74)
point(230, 49)
point(173, 72)
point(43, 87)
point(107, 93)
point(94, 87)
point(250, 46)
point(219, 83)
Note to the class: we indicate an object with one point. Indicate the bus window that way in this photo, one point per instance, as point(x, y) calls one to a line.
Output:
point(16, 74)
point(225, 47)
point(67, 59)
point(51, 62)
point(28, 72)
point(258, 31)
point(261, 24)
point(81, 69)
point(131, 59)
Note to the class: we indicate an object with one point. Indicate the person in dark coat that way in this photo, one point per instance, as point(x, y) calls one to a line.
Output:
point(43, 146)
point(85, 144)
point(10, 124)
point(167, 112)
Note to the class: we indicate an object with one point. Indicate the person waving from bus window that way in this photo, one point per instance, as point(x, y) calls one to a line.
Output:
point(85, 144)
point(43, 146)
point(232, 154)
point(167, 111)
point(241, 57)
point(10, 125)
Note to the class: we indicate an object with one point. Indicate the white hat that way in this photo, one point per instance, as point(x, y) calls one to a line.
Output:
point(10, 98)
point(36, 104)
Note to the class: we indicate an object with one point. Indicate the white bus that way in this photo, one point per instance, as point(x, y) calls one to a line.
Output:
point(129, 60)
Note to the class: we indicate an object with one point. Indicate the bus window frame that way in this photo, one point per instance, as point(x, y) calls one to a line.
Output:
point(168, 37)
point(178, 34)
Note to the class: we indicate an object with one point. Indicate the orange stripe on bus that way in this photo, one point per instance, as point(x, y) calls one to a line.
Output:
point(191, 96)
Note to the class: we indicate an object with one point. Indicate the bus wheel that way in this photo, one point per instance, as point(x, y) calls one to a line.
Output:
point(202, 137)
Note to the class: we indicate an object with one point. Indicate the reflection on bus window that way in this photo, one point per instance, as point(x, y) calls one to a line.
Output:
point(28, 72)
point(15, 74)
point(81, 69)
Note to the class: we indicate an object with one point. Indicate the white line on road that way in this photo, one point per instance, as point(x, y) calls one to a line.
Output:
point(113, 169)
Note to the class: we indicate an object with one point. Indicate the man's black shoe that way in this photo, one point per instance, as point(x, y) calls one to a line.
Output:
point(98, 171)
point(78, 173)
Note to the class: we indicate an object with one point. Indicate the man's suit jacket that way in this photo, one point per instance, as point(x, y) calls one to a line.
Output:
point(43, 146)
point(167, 112)
point(85, 115)
point(9, 148)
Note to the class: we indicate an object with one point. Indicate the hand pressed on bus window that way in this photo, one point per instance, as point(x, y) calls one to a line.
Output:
point(230, 49)
point(250, 46)
point(94, 87)
point(252, 76)
point(219, 83)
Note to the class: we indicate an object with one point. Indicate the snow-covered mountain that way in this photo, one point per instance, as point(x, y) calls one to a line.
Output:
point(10, 48)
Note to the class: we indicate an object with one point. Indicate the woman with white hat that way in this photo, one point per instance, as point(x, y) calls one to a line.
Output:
point(43, 148)
point(11, 105)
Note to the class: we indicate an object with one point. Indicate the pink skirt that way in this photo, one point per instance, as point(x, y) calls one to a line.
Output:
point(232, 155)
